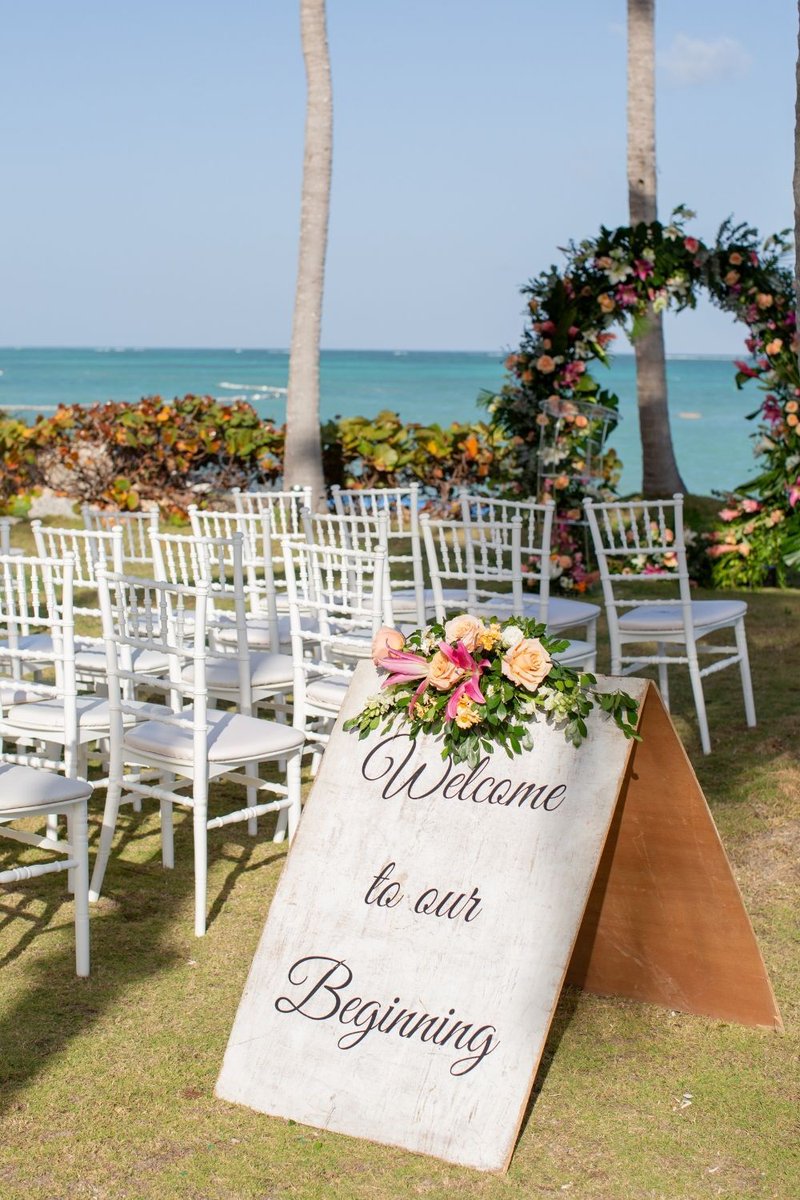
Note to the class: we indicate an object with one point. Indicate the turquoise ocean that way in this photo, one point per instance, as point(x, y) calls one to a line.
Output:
point(710, 432)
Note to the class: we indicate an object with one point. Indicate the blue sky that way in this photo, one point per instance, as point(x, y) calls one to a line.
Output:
point(152, 157)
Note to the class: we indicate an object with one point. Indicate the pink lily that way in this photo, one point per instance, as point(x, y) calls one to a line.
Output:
point(460, 656)
point(404, 666)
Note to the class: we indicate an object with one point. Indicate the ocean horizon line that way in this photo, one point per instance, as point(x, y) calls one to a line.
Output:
point(716, 356)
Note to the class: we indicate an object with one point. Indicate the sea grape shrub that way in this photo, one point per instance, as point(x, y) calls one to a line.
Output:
point(383, 451)
point(195, 448)
point(120, 454)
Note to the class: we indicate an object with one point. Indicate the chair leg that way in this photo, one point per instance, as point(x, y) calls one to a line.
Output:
point(699, 700)
point(281, 825)
point(294, 788)
point(79, 841)
point(744, 667)
point(252, 822)
point(200, 821)
point(167, 833)
point(108, 828)
point(663, 676)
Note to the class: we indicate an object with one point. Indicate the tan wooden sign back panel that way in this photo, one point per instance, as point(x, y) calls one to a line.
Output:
point(414, 953)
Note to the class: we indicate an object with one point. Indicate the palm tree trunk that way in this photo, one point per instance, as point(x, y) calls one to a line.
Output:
point(660, 475)
point(303, 452)
point(797, 185)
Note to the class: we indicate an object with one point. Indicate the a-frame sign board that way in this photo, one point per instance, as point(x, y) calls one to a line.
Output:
point(429, 914)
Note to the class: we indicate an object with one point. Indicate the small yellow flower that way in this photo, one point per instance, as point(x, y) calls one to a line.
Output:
point(467, 714)
point(490, 637)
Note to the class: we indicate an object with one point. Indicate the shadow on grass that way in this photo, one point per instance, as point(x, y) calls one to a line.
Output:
point(133, 936)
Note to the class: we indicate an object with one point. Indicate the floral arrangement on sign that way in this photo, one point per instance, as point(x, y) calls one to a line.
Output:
point(616, 278)
point(482, 685)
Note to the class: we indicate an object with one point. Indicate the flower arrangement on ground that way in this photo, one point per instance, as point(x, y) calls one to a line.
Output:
point(481, 685)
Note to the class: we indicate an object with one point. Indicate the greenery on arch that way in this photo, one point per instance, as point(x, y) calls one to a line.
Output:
point(614, 279)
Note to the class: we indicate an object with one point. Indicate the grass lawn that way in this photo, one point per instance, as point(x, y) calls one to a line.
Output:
point(107, 1083)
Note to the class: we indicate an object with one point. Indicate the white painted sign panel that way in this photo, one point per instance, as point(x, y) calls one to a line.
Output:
point(414, 952)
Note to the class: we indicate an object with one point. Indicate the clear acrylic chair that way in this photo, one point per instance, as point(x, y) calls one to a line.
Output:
point(400, 506)
point(641, 543)
point(193, 747)
point(559, 613)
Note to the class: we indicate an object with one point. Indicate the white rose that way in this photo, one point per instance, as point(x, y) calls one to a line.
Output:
point(512, 636)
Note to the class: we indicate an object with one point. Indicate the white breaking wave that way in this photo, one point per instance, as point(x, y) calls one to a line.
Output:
point(264, 388)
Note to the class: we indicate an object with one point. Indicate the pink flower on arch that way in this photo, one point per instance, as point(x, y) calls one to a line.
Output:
point(743, 367)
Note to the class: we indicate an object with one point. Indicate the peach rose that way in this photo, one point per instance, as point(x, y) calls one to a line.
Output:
point(561, 482)
point(764, 300)
point(581, 421)
point(735, 258)
point(443, 674)
point(527, 663)
point(731, 278)
point(466, 629)
point(774, 347)
point(792, 419)
point(386, 639)
point(546, 364)
point(606, 302)
point(792, 406)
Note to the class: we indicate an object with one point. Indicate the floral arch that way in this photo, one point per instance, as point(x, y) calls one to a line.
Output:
point(559, 416)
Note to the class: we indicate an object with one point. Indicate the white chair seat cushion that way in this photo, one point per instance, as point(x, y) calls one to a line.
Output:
point(231, 738)
point(259, 633)
point(451, 596)
point(327, 693)
point(29, 787)
point(92, 661)
point(47, 716)
point(90, 657)
point(561, 612)
point(668, 618)
point(266, 670)
point(576, 652)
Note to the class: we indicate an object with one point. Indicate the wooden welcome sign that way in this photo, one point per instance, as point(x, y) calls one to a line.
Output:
point(429, 914)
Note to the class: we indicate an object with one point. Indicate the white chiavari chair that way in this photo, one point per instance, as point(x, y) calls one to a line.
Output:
point(135, 526)
point(31, 785)
point(233, 672)
point(369, 534)
point(193, 747)
point(336, 607)
point(559, 613)
point(641, 543)
point(401, 507)
point(264, 631)
point(480, 563)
